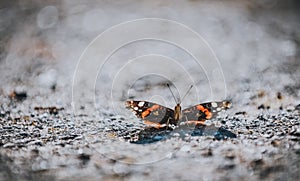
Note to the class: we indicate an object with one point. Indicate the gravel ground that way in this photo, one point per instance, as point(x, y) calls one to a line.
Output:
point(45, 136)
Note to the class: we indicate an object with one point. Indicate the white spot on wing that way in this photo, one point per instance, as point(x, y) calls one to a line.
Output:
point(213, 104)
point(141, 104)
point(136, 108)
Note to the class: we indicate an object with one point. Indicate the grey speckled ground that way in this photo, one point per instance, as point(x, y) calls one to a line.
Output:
point(44, 138)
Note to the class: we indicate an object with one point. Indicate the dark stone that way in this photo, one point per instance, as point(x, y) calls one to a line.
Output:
point(261, 107)
point(271, 169)
point(85, 158)
point(19, 96)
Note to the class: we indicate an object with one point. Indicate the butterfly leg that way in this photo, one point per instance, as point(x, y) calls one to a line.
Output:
point(184, 121)
point(167, 125)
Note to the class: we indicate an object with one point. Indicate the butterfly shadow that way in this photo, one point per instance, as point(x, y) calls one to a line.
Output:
point(151, 135)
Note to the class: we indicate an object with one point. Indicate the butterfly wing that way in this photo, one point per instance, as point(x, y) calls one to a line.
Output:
point(153, 114)
point(199, 113)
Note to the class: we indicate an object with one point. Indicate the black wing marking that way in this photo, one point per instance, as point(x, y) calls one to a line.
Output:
point(153, 114)
point(205, 111)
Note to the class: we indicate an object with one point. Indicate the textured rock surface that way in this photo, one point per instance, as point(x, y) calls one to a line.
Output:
point(43, 138)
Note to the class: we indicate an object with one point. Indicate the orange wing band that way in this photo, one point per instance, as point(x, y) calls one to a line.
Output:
point(152, 124)
point(206, 111)
point(196, 122)
point(149, 110)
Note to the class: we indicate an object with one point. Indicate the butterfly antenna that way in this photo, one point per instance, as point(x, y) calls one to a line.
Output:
point(187, 92)
point(173, 94)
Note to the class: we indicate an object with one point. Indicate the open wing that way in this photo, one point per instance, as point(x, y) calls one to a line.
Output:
point(153, 114)
point(199, 113)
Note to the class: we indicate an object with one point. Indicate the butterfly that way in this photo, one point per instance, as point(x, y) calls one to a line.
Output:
point(158, 116)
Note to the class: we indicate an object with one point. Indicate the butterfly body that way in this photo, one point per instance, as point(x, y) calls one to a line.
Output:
point(177, 112)
point(159, 116)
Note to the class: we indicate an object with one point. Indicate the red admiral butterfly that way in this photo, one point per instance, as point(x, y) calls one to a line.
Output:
point(158, 116)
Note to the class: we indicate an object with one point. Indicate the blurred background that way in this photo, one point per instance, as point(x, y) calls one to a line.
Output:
point(256, 42)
